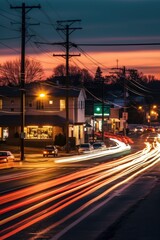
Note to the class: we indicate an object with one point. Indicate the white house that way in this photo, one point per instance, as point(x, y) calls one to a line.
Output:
point(44, 112)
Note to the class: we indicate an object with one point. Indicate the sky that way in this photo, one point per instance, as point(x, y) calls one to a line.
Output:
point(99, 22)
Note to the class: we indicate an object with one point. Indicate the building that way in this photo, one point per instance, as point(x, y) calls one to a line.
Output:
point(45, 113)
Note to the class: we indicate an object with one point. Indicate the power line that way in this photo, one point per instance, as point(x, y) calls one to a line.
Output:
point(117, 44)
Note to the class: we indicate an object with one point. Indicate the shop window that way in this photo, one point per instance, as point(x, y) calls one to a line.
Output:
point(5, 133)
point(35, 132)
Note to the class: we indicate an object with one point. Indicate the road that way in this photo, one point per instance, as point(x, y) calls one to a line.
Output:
point(61, 203)
point(75, 201)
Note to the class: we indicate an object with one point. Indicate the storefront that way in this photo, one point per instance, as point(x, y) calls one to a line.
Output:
point(36, 132)
point(4, 133)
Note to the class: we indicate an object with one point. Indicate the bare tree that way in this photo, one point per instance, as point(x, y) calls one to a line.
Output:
point(59, 71)
point(10, 72)
point(77, 75)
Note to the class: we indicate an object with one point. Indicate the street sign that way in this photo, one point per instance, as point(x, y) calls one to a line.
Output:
point(98, 111)
point(125, 115)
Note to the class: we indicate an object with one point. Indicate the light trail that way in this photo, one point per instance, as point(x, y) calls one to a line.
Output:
point(63, 192)
point(121, 146)
point(23, 175)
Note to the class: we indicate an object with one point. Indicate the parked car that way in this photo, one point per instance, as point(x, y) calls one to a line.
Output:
point(153, 137)
point(139, 129)
point(151, 129)
point(85, 148)
point(6, 156)
point(99, 145)
point(157, 129)
point(50, 150)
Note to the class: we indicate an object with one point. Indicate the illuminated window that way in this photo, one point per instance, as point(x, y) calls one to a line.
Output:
point(36, 132)
point(62, 104)
point(0, 103)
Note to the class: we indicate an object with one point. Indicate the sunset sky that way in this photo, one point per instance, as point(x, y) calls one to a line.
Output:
point(102, 22)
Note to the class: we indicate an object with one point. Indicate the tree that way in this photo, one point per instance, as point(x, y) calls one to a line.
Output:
point(10, 72)
point(77, 75)
point(98, 74)
point(59, 71)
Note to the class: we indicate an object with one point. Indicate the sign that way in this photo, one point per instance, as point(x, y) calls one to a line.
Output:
point(125, 115)
point(98, 109)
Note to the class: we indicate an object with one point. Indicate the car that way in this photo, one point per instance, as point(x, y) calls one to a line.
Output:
point(6, 156)
point(151, 129)
point(85, 148)
point(139, 129)
point(153, 137)
point(157, 129)
point(50, 150)
point(99, 146)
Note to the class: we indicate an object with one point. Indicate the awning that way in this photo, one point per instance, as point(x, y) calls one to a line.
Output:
point(15, 120)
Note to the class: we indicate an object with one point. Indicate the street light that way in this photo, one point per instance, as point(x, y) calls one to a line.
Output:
point(42, 95)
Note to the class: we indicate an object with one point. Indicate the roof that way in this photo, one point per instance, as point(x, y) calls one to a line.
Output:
point(33, 88)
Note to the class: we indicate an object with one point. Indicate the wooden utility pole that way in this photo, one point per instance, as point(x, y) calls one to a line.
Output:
point(65, 27)
point(125, 92)
point(25, 9)
point(124, 114)
point(102, 109)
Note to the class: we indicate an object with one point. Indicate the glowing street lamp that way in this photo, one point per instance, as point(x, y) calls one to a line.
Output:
point(42, 95)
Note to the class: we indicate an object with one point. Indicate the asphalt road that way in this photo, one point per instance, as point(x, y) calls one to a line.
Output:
point(131, 212)
point(141, 220)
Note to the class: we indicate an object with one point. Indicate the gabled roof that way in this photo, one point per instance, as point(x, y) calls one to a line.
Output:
point(7, 91)
point(33, 88)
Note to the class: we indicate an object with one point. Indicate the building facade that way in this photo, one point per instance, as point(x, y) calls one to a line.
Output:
point(44, 112)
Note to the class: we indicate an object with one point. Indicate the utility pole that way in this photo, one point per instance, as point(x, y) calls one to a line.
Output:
point(102, 110)
point(124, 111)
point(124, 114)
point(25, 9)
point(65, 27)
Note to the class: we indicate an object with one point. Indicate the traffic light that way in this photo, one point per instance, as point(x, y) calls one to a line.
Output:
point(98, 109)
